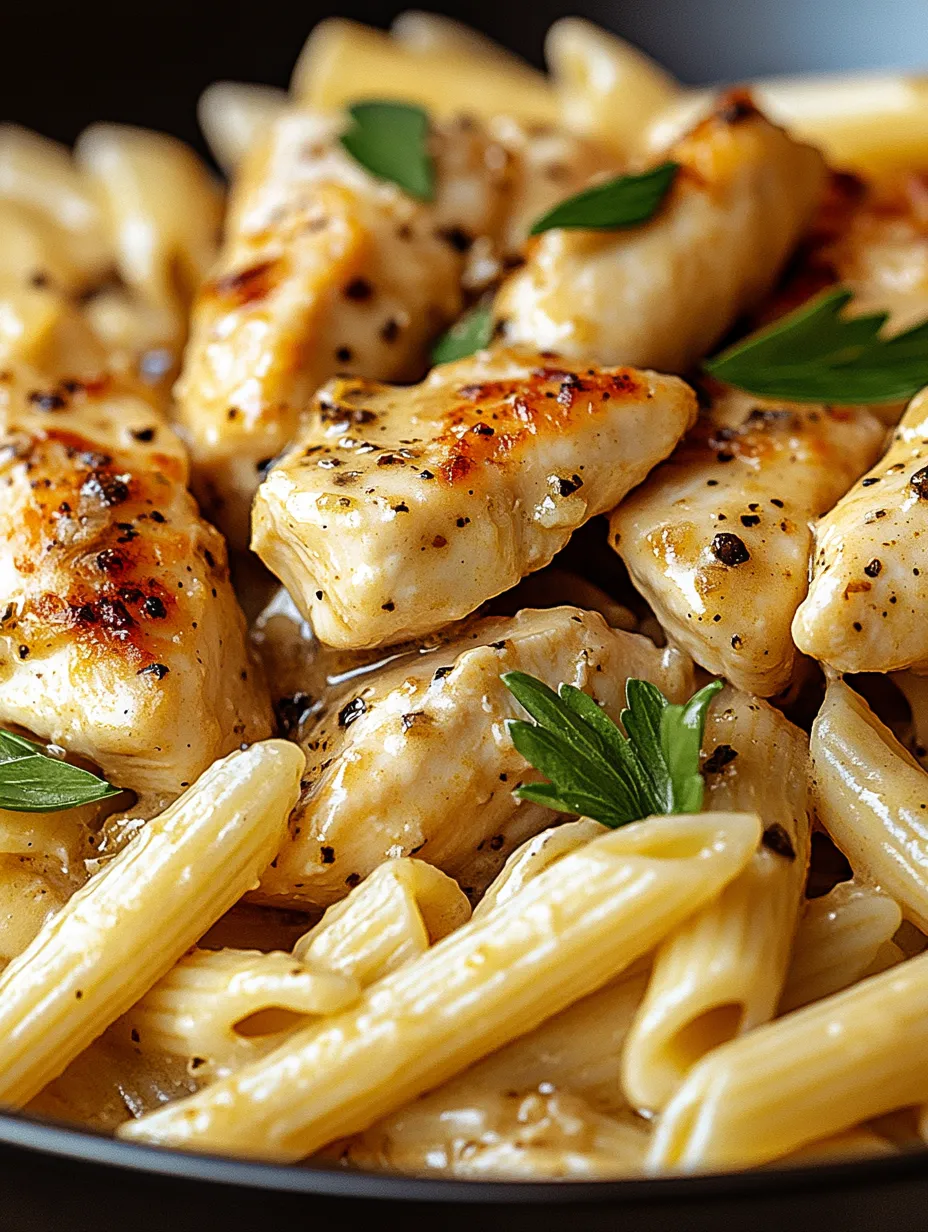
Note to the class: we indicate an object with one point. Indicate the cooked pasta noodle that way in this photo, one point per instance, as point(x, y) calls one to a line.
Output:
point(130, 924)
point(488, 982)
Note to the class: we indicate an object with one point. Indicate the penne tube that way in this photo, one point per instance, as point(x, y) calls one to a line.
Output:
point(393, 916)
point(860, 1143)
point(606, 87)
point(721, 973)
point(533, 857)
point(840, 937)
point(234, 116)
point(427, 33)
point(572, 929)
point(814, 1073)
point(872, 798)
point(343, 62)
point(223, 1008)
point(537, 1108)
point(118, 935)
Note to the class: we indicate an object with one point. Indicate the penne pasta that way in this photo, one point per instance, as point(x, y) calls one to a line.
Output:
point(840, 937)
point(235, 116)
point(872, 796)
point(534, 856)
point(722, 972)
point(571, 930)
point(115, 938)
point(392, 917)
point(814, 1073)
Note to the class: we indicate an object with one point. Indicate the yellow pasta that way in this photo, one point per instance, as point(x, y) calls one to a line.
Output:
point(872, 797)
point(605, 87)
point(234, 116)
point(570, 930)
point(547, 1105)
point(840, 937)
point(344, 62)
point(224, 1007)
point(533, 857)
point(393, 916)
point(816, 1072)
point(722, 972)
point(115, 938)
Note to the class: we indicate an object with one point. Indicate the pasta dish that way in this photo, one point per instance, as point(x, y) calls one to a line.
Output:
point(463, 706)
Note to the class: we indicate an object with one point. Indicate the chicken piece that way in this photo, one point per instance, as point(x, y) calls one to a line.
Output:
point(397, 511)
point(718, 538)
point(662, 294)
point(418, 759)
point(328, 269)
point(120, 635)
point(865, 610)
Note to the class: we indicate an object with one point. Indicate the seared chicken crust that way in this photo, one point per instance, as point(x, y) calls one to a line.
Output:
point(416, 759)
point(328, 269)
point(718, 540)
point(397, 511)
point(865, 611)
point(662, 294)
point(120, 635)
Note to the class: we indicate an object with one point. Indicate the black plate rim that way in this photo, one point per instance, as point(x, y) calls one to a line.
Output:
point(51, 1139)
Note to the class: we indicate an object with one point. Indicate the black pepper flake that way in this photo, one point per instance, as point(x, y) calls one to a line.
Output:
point(724, 455)
point(566, 487)
point(359, 289)
point(857, 626)
point(776, 839)
point(157, 517)
point(344, 354)
point(778, 503)
point(145, 435)
point(483, 429)
point(353, 710)
point(154, 607)
point(441, 672)
point(720, 757)
point(736, 642)
point(106, 489)
point(109, 561)
point(426, 475)
point(390, 330)
point(402, 507)
point(456, 237)
point(869, 481)
point(24, 652)
point(389, 606)
point(729, 549)
point(463, 522)
point(415, 718)
point(327, 854)
point(497, 842)
point(873, 568)
point(919, 483)
point(352, 880)
point(134, 1036)
point(47, 400)
point(158, 670)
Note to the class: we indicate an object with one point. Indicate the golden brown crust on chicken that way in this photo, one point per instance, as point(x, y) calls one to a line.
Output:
point(327, 269)
point(718, 538)
point(397, 511)
point(868, 595)
point(415, 759)
point(120, 635)
point(662, 294)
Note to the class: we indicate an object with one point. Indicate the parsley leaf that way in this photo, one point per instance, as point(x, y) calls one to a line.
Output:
point(623, 202)
point(814, 354)
point(391, 141)
point(597, 771)
point(33, 782)
point(472, 332)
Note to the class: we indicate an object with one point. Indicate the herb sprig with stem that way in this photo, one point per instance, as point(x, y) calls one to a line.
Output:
point(595, 769)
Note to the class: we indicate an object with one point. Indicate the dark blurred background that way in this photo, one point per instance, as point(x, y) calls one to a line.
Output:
point(67, 63)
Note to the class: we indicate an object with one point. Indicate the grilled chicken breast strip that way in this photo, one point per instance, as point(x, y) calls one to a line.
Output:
point(328, 269)
point(865, 610)
point(416, 759)
point(662, 294)
point(120, 636)
point(397, 511)
point(718, 539)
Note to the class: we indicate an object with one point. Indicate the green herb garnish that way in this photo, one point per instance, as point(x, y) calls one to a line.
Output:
point(472, 332)
point(622, 202)
point(391, 141)
point(598, 771)
point(816, 355)
point(33, 782)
